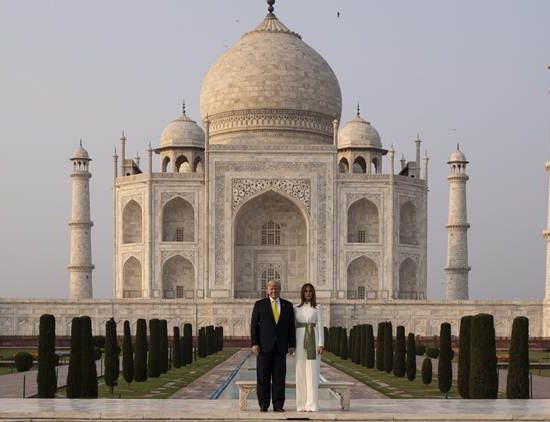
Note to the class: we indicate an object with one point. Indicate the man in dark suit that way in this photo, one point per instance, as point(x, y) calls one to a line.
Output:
point(273, 335)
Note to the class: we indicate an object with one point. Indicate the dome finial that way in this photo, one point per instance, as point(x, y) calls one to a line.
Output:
point(183, 106)
point(81, 142)
point(358, 109)
point(270, 9)
point(458, 146)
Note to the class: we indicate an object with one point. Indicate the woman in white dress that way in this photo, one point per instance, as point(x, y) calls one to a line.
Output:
point(309, 347)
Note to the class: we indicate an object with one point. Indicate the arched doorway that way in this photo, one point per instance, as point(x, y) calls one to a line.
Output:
point(270, 241)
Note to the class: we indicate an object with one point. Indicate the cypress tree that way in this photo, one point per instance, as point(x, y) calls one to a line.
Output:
point(112, 352)
point(427, 371)
point(140, 357)
point(444, 364)
point(127, 354)
point(483, 359)
point(163, 346)
point(210, 340)
point(339, 333)
point(463, 376)
point(88, 388)
point(326, 337)
point(344, 345)
point(411, 357)
point(362, 344)
point(153, 360)
point(352, 352)
point(388, 347)
point(369, 346)
point(380, 346)
point(517, 382)
point(399, 366)
point(188, 343)
point(221, 337)
point(46, 378)
point(201, 343)
point(176, 348)
point(74, 371)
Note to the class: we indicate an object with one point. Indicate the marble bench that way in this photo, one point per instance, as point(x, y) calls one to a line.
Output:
point(341, 388)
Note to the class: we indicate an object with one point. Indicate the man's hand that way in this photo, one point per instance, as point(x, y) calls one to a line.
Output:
point(256, 349)
point(291, 350)
point(320, 350)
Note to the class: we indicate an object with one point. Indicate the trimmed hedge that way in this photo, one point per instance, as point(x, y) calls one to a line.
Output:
point(153, 359)
point(74, 373)
point(517, 383)
point(88, 386)
point(344, 345)
point(388, 347)
point(22, 361)
point(112, 353)
point(380, 346)
point(420, 350)
point(399, 365)
point(444, 364)
point(427, 371)
point(411, 357)
point(176, 348)
point(163, 346)
point(432, 352)
point(464, 339)
point(140, 357)
point(369, 346)
point(483, 358)
point(46, 378)
point(187, 344)
point(127, 354)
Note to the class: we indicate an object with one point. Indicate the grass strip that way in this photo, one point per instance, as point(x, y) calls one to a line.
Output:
point(165, 385)
point(388, 384)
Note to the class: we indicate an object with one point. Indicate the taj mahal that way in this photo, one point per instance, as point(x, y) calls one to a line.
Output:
point(268, 183)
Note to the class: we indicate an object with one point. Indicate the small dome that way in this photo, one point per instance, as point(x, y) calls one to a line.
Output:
point(80, 154)
point(358, 133)
point(458, 156)
point(182, 132)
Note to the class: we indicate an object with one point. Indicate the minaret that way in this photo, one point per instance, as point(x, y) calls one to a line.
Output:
point(456, 270)
point(80, 266)
point(546, 234)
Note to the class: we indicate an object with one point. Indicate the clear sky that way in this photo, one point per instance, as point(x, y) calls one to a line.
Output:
point(468, 71)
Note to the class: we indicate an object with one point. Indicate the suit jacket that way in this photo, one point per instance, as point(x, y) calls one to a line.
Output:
point(265, 332)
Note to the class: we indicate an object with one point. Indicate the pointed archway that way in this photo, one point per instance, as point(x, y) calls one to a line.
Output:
point(270, 241)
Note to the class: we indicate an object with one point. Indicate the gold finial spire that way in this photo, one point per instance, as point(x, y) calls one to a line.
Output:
point(183, 106)
point(270, 9)
point(358, 109)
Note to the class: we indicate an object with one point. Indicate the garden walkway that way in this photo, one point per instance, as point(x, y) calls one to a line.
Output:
point(541, 385)
point(11, 385)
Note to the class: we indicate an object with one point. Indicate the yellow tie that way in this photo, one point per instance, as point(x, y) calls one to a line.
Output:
point(275, 311)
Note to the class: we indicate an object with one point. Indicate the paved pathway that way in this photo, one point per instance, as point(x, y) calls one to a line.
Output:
point(207, 385)
point(227, 410)
point(541, 385)
point(11, 385)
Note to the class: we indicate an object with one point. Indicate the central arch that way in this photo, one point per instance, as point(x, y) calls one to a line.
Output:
point(270, 233)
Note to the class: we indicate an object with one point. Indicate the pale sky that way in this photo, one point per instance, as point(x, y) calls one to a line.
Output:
point(468, 71)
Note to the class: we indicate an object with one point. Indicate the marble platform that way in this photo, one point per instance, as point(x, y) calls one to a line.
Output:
point(228, 410)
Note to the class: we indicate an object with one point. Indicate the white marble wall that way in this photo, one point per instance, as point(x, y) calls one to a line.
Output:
point(21, 317)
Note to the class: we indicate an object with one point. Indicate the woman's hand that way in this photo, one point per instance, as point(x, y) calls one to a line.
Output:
point(320, 350)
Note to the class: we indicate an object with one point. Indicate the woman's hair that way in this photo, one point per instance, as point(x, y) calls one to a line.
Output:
point(313, 301)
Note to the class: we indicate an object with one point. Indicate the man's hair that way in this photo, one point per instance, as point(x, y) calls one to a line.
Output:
point(278, 283)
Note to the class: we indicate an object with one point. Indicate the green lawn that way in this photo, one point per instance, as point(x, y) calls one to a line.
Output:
point(388, 384)
point(165, 385)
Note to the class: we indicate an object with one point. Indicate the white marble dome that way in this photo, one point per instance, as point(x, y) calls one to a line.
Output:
point(358, 133)
point(182, 132)
point(270, 80)
point(457, 156)
point(80, 154)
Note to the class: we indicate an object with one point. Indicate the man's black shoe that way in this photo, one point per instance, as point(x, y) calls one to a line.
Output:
point(279, 409)
point(263, 409)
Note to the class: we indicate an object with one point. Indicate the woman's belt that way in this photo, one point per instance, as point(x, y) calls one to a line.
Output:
point(309, 339)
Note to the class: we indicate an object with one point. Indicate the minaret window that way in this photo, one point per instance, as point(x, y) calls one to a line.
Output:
point(271, 233)
point(179, 235)
point(362, 236)
point(361, 292)
point(179, 292)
